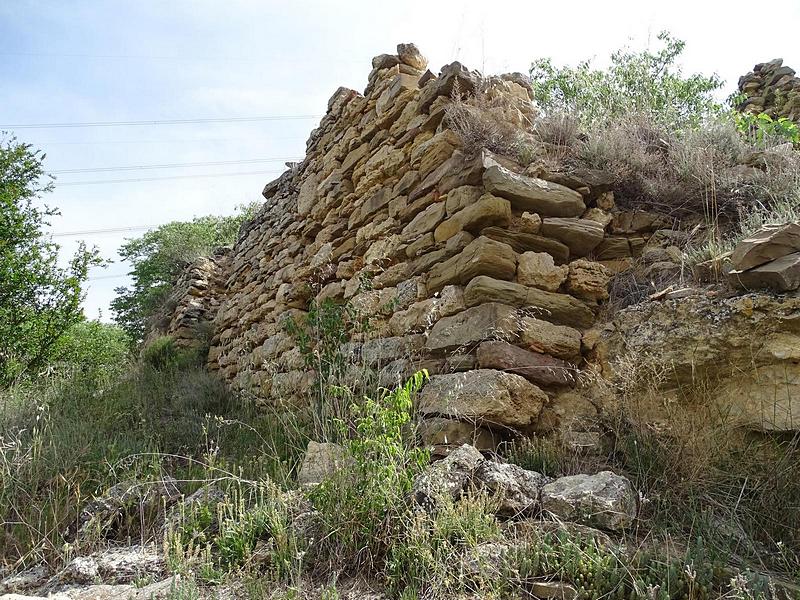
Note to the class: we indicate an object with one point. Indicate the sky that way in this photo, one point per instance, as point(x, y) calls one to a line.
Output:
point(73, 62)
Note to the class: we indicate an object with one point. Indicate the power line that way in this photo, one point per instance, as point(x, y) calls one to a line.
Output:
point(184, 141)
point(161, 122)
point(257, 59)
point(107, 230)
point(106, 277)
point(247, 161)
point(198, 176)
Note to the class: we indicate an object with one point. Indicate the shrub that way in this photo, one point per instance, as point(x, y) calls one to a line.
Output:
point(163, 354)
point(644, 82)
point(362, 506)
point(493, 119)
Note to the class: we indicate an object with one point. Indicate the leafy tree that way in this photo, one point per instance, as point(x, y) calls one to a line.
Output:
point(158, 257)
point(636, 82)
point(39, 300)
point(92, 348)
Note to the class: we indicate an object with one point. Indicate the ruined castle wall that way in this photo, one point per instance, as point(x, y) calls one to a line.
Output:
point(467, 262)
point(771, 88)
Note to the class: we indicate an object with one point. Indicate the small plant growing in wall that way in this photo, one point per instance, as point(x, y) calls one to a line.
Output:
point(322, 335)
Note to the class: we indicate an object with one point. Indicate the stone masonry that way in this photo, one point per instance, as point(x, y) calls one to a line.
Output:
point(485, 271)
point(771, 88)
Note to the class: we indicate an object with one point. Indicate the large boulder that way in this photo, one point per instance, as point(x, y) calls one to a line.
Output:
point(492, 320)
point(603, 500)
point(779, 275)
point(483, 396)
point(531, 194)
point(536, 367)
point(765, 245)
point(482, 256)
point(581, 236)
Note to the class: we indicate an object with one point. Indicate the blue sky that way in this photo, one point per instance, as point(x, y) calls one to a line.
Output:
point(82, 61)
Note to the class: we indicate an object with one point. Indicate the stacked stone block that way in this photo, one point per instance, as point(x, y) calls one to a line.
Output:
point(478, 268)
point(771, 88)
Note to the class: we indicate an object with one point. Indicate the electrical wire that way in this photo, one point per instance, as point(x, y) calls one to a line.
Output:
point(160, 122)
point(107, 230)
point(247, 161)
point(133, 180)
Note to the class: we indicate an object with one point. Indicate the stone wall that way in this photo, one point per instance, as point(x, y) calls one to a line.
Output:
point(485, 271)
point(193, 302)
point(771, 88)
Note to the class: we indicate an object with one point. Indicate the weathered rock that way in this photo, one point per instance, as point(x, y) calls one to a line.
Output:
point(424, 222)
point(742, 350)
point(482, 256)
point(516, 490)
point(765, 245)
point(116, 565)
point(491, 320)
point(780, 275)
point(536, 367)
point(588, 280)
point(528, 242)
point(544, 337)
point(537, 269)
point(410, 55)
point(604, 500)
point(581, 236)
point(461, 197)
point(321, 461)
point(447, 478)
point(558, 308)
point(484, 396)
point(439, 432)
point(124, 501)
point(535, 195)
point(488, 210)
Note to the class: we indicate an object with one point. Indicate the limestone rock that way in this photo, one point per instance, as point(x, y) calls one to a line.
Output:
point(530, 223)
point(536, 367)
point(588, 280)
point(523, 242)
point(483, 396)
point(424, 222)
point(439, 432)
point(767, 244)
point(780, 275)
point(410, 55)
point(488, 210)
point(482, 256)
point(537, 269)
point(535, 195)
point(490, 320)
point(516, 490)
point(604, 500)
point(544, 337)
point(461, 197)
point(321, 461)
point(557, 308)
point(115, 565)
point(581, 236)
point(449, 477)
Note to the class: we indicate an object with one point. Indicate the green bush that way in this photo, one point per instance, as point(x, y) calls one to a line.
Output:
point(645, 83)
point(362, 507)
point(163, 354)
point(160, 255)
